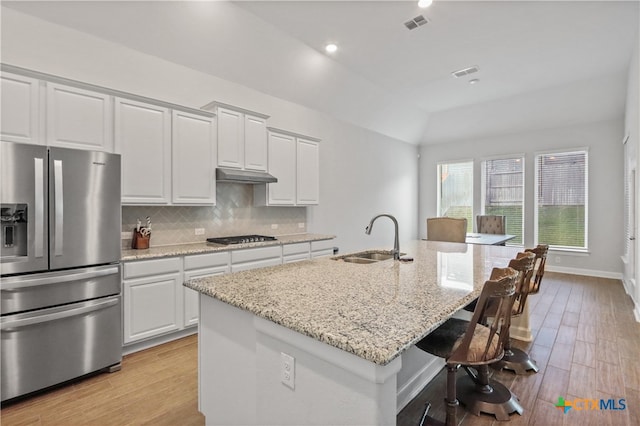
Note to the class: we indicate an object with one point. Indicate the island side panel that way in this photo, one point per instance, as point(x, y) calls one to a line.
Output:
point(227, 359)
point(331, 386)
point(240, 381)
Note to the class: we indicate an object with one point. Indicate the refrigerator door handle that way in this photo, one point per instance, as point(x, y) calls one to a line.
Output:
point(39, 206)
point(8, 324)
point(59, 207)
point(17, 283)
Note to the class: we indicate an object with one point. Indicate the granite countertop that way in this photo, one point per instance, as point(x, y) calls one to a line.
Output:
point(375, 311)
point(204, 247)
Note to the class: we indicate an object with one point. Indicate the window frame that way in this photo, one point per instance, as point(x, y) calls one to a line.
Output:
point(483, 183)
point(439, 186)
point(536, 155)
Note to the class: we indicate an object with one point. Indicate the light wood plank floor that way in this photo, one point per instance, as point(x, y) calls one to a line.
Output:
point(586, 344)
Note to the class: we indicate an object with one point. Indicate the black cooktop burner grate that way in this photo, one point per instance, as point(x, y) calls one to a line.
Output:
point(240, 239)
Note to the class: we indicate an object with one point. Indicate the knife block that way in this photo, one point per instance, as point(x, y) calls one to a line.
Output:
point(140, 241)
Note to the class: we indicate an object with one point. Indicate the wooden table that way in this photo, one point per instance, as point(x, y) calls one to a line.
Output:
point(489, 239)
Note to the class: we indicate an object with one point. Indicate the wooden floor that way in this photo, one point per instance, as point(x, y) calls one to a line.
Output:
point(586, 344)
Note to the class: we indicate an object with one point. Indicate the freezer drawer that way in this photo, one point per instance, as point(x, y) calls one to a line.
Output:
point(46, 347)
point(27, 292)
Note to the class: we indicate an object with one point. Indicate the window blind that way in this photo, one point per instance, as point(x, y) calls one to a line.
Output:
point(503, 193)
point(561, 199)
point(455, 191)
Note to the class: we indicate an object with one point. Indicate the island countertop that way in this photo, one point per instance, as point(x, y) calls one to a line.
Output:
point(375, 311)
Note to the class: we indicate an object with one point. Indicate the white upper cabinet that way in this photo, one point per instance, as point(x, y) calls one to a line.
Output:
point(295, 161)
point(282, 165)
point(242, 138)
point(255, 143)
point(143, 138)
point(78, 118)
point(230, 139)
point(194, 159)
point(20, 119)
point(307, 172)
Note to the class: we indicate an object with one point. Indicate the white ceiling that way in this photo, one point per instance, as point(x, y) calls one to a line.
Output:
point(384, 76)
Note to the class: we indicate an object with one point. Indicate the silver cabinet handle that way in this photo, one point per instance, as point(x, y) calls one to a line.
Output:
point(59, 212)
point(39, 206)
point(8, 323)
point(17, 283)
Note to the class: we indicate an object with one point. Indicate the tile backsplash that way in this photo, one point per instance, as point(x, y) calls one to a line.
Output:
point(233, 214)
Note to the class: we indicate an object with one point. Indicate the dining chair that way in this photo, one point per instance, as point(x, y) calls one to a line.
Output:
point(447, 229)
point(476, 344)
point(491, 224)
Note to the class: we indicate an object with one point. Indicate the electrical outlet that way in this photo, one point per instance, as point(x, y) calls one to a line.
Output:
point(199, 231)
point(287, 370)
point(274, 226)
point(301, 225)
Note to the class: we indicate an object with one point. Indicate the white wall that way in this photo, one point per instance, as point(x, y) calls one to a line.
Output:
point(603, 140)
point(632, 130)
point(362, 173)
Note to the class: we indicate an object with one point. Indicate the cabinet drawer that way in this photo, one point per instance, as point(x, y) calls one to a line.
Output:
point(298, 248)
point(209, 260)
point(152, 267)
point(321, 245)
point(250, 255)
point(296, 258)
point(255, 264)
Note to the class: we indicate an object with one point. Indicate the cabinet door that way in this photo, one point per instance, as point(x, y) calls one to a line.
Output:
point(20, 109)
point(282, 165)
point(308, 172)
point(78, 118)
point(230, 139)
point(191, 304)
point(194, 159)
point(152, 306)
point(143, 138)
point(255, 143)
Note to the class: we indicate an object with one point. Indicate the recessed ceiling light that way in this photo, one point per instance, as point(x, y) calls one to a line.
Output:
point(331, 48)
point(473, 81)
point(423, 4)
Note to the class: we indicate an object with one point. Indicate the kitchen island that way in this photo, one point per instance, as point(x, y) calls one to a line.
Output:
point(348, 327)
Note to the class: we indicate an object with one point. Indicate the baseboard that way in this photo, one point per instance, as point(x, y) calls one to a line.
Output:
point(415, 385)
point(155, 341)
point(636, 312)
point(585, 272)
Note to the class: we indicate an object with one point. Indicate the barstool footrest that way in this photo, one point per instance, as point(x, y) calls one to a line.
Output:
point(517, 361)
point(500, 402)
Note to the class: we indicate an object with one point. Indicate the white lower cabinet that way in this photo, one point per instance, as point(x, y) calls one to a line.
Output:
point(323, 248)
point(152, 298)
point(200, 266)
point(296, 252)
point(155, 299)
point(243, 260)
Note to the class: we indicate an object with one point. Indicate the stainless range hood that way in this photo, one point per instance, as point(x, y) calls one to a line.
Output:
point(243, 176)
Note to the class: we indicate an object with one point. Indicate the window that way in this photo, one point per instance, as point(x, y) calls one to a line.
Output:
point(561, 200)
point(455, 191)
point(503, 193)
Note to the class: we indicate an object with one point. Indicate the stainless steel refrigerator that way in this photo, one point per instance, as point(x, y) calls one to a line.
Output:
point(60, 280)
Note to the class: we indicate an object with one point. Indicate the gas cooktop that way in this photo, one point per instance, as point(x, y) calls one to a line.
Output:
point(240, 239)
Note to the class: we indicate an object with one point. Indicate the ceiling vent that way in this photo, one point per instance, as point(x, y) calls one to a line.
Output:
point(466, 71)
point(416, 22)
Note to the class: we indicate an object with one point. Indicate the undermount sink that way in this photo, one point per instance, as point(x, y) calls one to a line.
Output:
point(365, 257)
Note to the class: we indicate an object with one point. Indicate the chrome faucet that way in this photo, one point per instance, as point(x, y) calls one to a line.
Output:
point(396, 242)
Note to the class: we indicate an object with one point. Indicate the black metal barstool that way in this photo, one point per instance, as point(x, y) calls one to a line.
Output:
point(475, 343)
